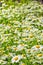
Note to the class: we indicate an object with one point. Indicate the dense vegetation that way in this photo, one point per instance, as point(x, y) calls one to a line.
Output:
point(21, 33)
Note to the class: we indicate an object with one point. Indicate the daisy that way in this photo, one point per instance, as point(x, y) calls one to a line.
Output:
point(16, 58)
point(31, 35)
point(36, 48)
point(23, 56)
point(21, 46)
point(40, 56)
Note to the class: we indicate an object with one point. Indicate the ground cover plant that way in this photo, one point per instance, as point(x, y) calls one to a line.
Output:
point(21, 33)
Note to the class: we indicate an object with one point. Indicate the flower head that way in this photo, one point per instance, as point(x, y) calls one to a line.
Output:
point(16, 58)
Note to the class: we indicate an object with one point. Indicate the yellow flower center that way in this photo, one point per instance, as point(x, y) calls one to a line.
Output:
point(15, 48)
point(28, 50)
point(23, 63)
point(39, 55)
point(37, 46)
point(29, 28)
point(25, 39)
point(23, 55)
point(16, 58)
point(22, 44)
point(8, 47)
point(31, 35)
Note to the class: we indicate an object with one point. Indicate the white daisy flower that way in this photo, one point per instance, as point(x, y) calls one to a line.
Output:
point(36, 48)
point(40, 56)
point(16, 58)
point(21, 46)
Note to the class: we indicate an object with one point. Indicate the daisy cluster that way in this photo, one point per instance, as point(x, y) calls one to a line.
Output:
point(21, 34)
